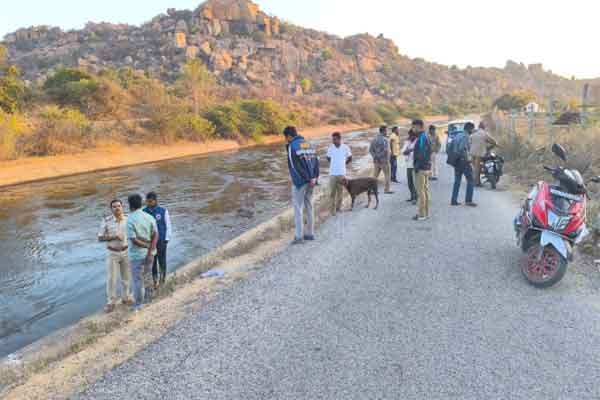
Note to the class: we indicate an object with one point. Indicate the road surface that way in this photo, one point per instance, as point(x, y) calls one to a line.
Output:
point(381, 307)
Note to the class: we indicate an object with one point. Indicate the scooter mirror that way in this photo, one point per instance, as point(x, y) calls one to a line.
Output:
point(559, 151)
point(596, 179)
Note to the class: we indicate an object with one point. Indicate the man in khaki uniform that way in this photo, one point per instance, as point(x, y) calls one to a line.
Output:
point(380, 151)
point(113, 232)
point(395, 153)
point(480, 141)
point(436, 146)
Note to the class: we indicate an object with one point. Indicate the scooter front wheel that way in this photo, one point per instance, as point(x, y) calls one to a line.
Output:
point(545, 267)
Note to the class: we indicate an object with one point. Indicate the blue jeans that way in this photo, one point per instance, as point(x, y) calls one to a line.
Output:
point(463, 168)
point(394, 166)
point(141, 281)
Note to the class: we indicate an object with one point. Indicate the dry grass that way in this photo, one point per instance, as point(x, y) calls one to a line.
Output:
point(526, 159)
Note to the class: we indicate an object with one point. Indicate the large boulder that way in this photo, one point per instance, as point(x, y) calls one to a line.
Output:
point(230, 10)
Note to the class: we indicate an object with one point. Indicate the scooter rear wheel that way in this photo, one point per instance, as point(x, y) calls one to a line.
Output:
point(493, 181)
point(545, 270)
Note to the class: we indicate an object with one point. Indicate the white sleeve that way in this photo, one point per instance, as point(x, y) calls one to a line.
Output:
point(168, 223)
point(329, 152)
point(103, 229)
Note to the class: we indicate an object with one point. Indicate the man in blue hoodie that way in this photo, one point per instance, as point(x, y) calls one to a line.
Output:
point(163, 223)
point(422, 156)
point(303, 164)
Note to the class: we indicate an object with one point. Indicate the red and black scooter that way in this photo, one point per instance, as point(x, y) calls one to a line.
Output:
point(552, 222)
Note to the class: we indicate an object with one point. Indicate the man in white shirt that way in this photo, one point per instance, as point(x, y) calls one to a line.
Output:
point(339, 155)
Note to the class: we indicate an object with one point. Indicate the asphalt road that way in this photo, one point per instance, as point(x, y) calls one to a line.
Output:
point(381, 307)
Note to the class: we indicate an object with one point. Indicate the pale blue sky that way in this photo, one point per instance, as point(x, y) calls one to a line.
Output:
point(462, 32)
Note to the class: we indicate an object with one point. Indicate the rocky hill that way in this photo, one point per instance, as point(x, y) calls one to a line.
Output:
point(249, 49)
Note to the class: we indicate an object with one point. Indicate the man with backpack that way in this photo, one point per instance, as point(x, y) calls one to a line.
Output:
point(459, 156)
point(380, 151)
point(422, 165)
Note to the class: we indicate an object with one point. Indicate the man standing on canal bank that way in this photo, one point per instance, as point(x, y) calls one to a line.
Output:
point(163, 224)
point(394, 153)
point(339, 155)
point(114, 233)
point(422, 166)
point(460, 150)
point(303, 165)
point(380, 151)
point(436, 146)
point(143, 237)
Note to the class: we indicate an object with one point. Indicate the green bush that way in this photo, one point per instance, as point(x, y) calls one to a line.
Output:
point(413, 114)
point(189, 127)
point(514, 100)
point(326, 55)
point(92, 95)
point(250, 118)
point(388, 113)
point(306, 84)
point(12, 89)
point(227, 120)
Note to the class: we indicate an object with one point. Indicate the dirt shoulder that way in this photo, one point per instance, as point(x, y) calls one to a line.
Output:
point(33, 169)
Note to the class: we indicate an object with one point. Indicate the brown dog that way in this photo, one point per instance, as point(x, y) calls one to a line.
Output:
point(361, 185)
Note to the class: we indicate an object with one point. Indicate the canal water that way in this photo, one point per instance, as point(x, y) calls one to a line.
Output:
point(52, 269)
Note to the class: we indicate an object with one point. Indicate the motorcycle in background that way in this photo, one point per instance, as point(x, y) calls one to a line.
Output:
point(552, 221)
point(492, 168)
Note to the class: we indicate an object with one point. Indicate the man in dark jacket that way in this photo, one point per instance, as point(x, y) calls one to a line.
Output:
point(303, 164)
point(464, 166)
point(163, 224)
point(422, 166)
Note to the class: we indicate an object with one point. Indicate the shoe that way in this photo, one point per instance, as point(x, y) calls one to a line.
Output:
point(434, 178)
point(109, 308)
point(388, 192)
point(136, 309)
point(297, 241)
point(129, 302)
point(414, 202)
point(395, 181)
point(410, 200)
point(419, 218)
point(455, 203)
point(471, 204)
point(309, 238)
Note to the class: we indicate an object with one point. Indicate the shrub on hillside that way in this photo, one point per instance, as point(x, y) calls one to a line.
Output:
point(388, 113)
point(306, 84)
point(60, 131)
point(249, 118)
point(92, 95)
point(190, 127)
point(13, 132)
point(12, 89)
point(368, 114)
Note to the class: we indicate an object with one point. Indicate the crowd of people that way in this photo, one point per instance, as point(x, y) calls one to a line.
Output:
point(137, 243)
point(421, 150)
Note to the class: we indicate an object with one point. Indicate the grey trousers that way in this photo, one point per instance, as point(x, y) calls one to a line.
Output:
point(302, 201)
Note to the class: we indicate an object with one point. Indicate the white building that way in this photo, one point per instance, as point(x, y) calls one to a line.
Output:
point(532, 108)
